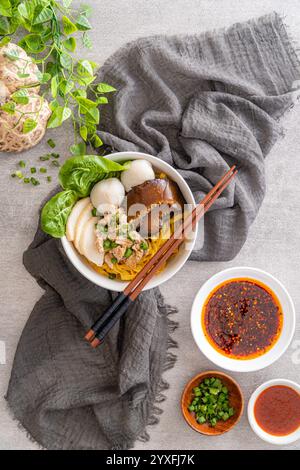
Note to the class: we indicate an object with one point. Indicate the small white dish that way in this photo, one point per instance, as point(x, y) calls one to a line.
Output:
point(173, 265)
point(277, 440)
point(245, 365)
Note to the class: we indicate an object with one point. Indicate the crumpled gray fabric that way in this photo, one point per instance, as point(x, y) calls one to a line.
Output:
point(201, 103)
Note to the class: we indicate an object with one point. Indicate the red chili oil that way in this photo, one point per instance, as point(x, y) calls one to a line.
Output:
point(242, 318)
point(277, 410)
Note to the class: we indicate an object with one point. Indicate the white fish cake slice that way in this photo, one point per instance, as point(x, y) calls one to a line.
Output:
point(88, 242)
point(73, 217)
point(84, 216)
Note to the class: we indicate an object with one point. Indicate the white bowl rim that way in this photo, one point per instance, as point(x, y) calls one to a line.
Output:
point(111, 284)
point(270, 438)
point(221, 360)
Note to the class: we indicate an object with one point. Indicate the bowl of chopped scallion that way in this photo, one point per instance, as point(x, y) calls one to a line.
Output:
point(212, 403)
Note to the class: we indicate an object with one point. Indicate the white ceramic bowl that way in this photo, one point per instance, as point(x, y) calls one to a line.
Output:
point(237, 365)
point(173, 265)
point(277, 440)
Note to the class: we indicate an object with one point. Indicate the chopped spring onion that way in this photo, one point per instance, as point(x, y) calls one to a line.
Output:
point(51, 143)
point(128, 252)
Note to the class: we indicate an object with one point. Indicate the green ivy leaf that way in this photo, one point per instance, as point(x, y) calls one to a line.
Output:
point(84, 68)
point(83, 23)
point(13, 54)
point(66, 61)
point(9, 107)
point(86, 40)
point(54, 86)
point(93, 115)
point(20, 96)
point(85, 105)
point(58, 116)
point(5, 8)
point(5, 41)
point(79, 92)
point(105, 88)
point(28, 125)
point(4, 25)
point(85, 81)
point(51, 68)
point(32, 43)
point(96, 141)
point(43, 77)
point(23, 75)
point(102, 100)
point(43, 16)
point(70, 44)
point(68, 26)
point(53, 104)
point(25, 11)
point(83, 132)
point(78, 149)
point(66, 86)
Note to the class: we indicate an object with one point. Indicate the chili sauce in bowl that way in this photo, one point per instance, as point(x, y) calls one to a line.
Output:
point(274, 411)
point(242, 318)
point(277, 410)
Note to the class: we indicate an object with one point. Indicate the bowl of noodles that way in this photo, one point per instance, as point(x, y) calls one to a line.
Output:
point(127, 216)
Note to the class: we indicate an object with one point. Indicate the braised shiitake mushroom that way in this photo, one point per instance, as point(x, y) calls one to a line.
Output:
point(150, 202)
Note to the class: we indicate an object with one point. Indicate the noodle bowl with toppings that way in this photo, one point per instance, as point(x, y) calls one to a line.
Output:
point(112, 233)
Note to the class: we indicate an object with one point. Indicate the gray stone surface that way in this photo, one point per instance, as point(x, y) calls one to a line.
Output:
point(273, 242)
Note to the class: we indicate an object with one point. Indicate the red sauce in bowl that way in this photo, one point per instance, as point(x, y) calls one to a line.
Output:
point(277, 410)
point(242, 318)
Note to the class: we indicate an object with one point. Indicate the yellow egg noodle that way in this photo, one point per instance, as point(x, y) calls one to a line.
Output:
point(124, 272)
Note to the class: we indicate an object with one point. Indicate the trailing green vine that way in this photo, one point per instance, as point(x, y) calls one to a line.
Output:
point(48, 31)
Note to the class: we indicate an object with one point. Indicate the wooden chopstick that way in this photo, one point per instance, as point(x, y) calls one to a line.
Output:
point(133, 289)
point(123, 295)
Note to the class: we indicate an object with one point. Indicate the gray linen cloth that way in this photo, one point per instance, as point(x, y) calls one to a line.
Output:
point(201, 103)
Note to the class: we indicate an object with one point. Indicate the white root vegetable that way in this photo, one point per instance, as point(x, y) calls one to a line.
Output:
point(107, 192)
point(138, 172)
point(10, 70)
point(12, 137)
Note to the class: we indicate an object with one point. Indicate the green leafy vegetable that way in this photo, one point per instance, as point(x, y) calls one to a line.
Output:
point(56, 211)
point(82, 172)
